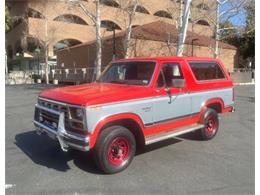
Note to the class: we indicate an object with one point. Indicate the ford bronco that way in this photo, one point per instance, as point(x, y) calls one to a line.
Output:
point(136, 102)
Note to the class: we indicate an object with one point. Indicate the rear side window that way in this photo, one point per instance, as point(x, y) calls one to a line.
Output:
point(206, 71)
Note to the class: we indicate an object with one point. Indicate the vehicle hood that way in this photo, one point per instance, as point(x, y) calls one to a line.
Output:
point(96, 93)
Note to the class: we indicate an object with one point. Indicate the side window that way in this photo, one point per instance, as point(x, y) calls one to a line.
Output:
point(206, 71)
point(169, 71)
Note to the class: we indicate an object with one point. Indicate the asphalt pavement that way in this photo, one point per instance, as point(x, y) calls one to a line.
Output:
point(184, 165)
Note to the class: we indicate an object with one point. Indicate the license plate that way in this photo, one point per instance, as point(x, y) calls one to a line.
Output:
point(52, 125)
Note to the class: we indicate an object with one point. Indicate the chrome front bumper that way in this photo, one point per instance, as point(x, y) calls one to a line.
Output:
point(65, 139)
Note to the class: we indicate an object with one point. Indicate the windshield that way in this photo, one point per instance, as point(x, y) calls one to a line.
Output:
point(131, 73)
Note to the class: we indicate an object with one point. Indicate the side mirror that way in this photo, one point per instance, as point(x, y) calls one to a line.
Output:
point(178, 83)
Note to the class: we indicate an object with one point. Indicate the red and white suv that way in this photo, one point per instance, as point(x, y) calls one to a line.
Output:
point(136, 102)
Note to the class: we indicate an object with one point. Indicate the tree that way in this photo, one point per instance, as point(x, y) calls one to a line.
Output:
point(96, 20)
point(8, 25)
point(8, 20)
point(183, 27)
point(220, 12)
point(228, 30)
point(249, 47)
point(40, 36)
point(131, 9)
point(233, 8)
point(244, 37)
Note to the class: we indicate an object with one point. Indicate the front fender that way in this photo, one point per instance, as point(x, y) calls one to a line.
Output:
point(113, 118)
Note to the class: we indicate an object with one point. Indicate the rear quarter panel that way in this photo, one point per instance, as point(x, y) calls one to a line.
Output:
point(203, 91)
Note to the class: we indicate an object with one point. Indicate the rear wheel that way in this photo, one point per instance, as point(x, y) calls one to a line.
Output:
point(115, 149)
point(211, 123)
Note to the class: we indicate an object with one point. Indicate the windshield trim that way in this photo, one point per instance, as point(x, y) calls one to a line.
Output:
point(121, 61)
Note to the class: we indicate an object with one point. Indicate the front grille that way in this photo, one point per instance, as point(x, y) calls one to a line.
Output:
point(48, 118)
point(51, 118)
point(54, 106)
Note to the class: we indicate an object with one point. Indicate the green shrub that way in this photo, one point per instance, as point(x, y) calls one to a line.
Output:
point(35, 77)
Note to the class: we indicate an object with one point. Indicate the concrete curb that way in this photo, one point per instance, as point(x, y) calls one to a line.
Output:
point(244, 83)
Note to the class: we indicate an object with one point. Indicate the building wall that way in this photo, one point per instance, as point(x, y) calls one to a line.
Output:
point(84, 33)
point(149, 48)
point(73, 57)
point(84, 56)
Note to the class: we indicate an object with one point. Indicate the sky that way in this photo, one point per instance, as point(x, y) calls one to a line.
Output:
point(237, 20)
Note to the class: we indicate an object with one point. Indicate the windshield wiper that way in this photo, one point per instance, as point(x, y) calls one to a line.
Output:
point(117, 81)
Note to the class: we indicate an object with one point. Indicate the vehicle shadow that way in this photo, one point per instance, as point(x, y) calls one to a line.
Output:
point(157, 145)
point(46, 152)
point(194, 136)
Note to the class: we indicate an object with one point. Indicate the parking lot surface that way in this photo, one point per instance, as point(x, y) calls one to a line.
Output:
point(183, 165)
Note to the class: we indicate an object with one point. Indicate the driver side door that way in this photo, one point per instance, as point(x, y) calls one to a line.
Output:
point(170, 102)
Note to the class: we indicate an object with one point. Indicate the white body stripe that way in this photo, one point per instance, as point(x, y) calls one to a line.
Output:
point(156, 109)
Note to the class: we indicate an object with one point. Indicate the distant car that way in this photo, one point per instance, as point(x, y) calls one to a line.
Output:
point(136, 102)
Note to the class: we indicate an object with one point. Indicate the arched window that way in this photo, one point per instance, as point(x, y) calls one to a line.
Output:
point(163, 13)
point(203, 6)
point(178, 1)
point(109, 25)
point(110, 3)
point(34, 13)
point(65, 43)
point(134, 26)
point(16, 22)
point(139, 9)
point(69, 18)
point(203, 22)
point(33, 43)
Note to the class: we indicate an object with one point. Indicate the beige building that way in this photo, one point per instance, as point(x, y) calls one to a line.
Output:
point(148, 40)
point(58, 24)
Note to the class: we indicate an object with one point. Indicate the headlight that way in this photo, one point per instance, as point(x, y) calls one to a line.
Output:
point(76, 120)
point(76, 113)
point(79, 113)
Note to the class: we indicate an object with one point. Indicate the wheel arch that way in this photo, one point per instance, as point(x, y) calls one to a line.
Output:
point(216, 104)
point(128, 120)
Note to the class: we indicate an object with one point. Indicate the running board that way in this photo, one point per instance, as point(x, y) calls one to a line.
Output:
point(169, 134)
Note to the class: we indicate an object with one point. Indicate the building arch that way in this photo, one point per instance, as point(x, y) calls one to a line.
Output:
point(203, 6)
point(162, 13)
point(110, 25)
point(110, 3)
point(70, 18)
point(65, 43)
point(32, 13)
point(16, 22)
point(140, 9)
point(134, 26)
point(33, 43)
point(203, 22)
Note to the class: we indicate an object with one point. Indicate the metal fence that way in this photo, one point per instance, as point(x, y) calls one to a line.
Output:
point(75, 75)
point(243, 75)
point(244, 70)
point(86, 75)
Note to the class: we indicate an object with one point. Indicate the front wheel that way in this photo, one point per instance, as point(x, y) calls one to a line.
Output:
point(211, 124)
point(115, 149)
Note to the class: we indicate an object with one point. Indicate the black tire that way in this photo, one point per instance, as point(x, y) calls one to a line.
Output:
point(115, 149)
point(211, 122)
